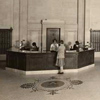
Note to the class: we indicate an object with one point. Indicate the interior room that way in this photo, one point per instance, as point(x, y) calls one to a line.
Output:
point(28, 62)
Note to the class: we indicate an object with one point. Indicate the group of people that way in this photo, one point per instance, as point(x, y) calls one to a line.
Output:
point(26, 46)
point(60, 49)
point(55, 47)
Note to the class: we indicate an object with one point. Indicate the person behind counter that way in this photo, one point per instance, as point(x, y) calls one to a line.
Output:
point(25, 45)
point(54, 46)
point(68, 46)
point(61, 56)
point(34, 47)
point(76, 46)
point(22, 45)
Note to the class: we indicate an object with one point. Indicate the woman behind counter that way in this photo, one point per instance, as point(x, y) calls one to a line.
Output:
point(76, 46)
point(22, 45)
point(34, 47)
point(54, 46)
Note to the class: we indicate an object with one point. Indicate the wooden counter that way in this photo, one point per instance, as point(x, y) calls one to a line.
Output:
point(37, 61)
point(76, 60)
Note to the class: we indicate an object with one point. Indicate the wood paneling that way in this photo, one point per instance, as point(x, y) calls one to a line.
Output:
point(95, 39)
point(5, 40)
point(85, 58)
point(35, 61)
point(71, 60)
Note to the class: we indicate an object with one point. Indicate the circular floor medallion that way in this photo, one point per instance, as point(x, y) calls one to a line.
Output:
point(52, 84)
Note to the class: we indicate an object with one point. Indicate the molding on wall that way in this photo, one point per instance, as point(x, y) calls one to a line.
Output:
point(56, 21)
point(37, 26)
point(72, 29)
point(53, 21)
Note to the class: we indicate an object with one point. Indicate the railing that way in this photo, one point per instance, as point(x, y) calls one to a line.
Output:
point(95, 39)
point(5, 40)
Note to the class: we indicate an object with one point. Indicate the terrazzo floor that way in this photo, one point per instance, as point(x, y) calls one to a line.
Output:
point(10, 86)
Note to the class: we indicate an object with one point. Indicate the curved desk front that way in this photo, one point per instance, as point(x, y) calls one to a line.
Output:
point(38, 61)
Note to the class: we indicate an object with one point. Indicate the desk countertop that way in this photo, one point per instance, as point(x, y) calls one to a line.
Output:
point(25, 51)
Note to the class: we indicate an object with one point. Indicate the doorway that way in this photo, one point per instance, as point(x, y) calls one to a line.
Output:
point(51, 34)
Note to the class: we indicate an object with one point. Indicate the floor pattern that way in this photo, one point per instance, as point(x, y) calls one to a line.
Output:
point(51, 85)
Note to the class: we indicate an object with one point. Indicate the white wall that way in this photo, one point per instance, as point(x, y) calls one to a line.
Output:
point(65, 10)
point(25, 17)
point(92, 17)
point(94, 14)
point(6, 13)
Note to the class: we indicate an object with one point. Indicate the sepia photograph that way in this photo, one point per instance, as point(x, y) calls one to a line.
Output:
point(49, 49)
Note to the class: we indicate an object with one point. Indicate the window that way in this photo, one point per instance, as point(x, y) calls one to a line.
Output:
point(5, 40)
point(95, 39)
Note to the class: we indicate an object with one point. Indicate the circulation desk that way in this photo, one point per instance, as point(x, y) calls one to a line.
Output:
point(39, 61)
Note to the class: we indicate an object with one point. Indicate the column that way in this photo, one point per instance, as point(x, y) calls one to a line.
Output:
point(23, 19)
point(15, 34)
point(81, 21)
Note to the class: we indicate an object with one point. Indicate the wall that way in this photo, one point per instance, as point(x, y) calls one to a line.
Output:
point(65, 10)
point(25, 17)
point(95, 17)
point(6, 13)
point(94, 14)
point(9, 17)
point(92, 17)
